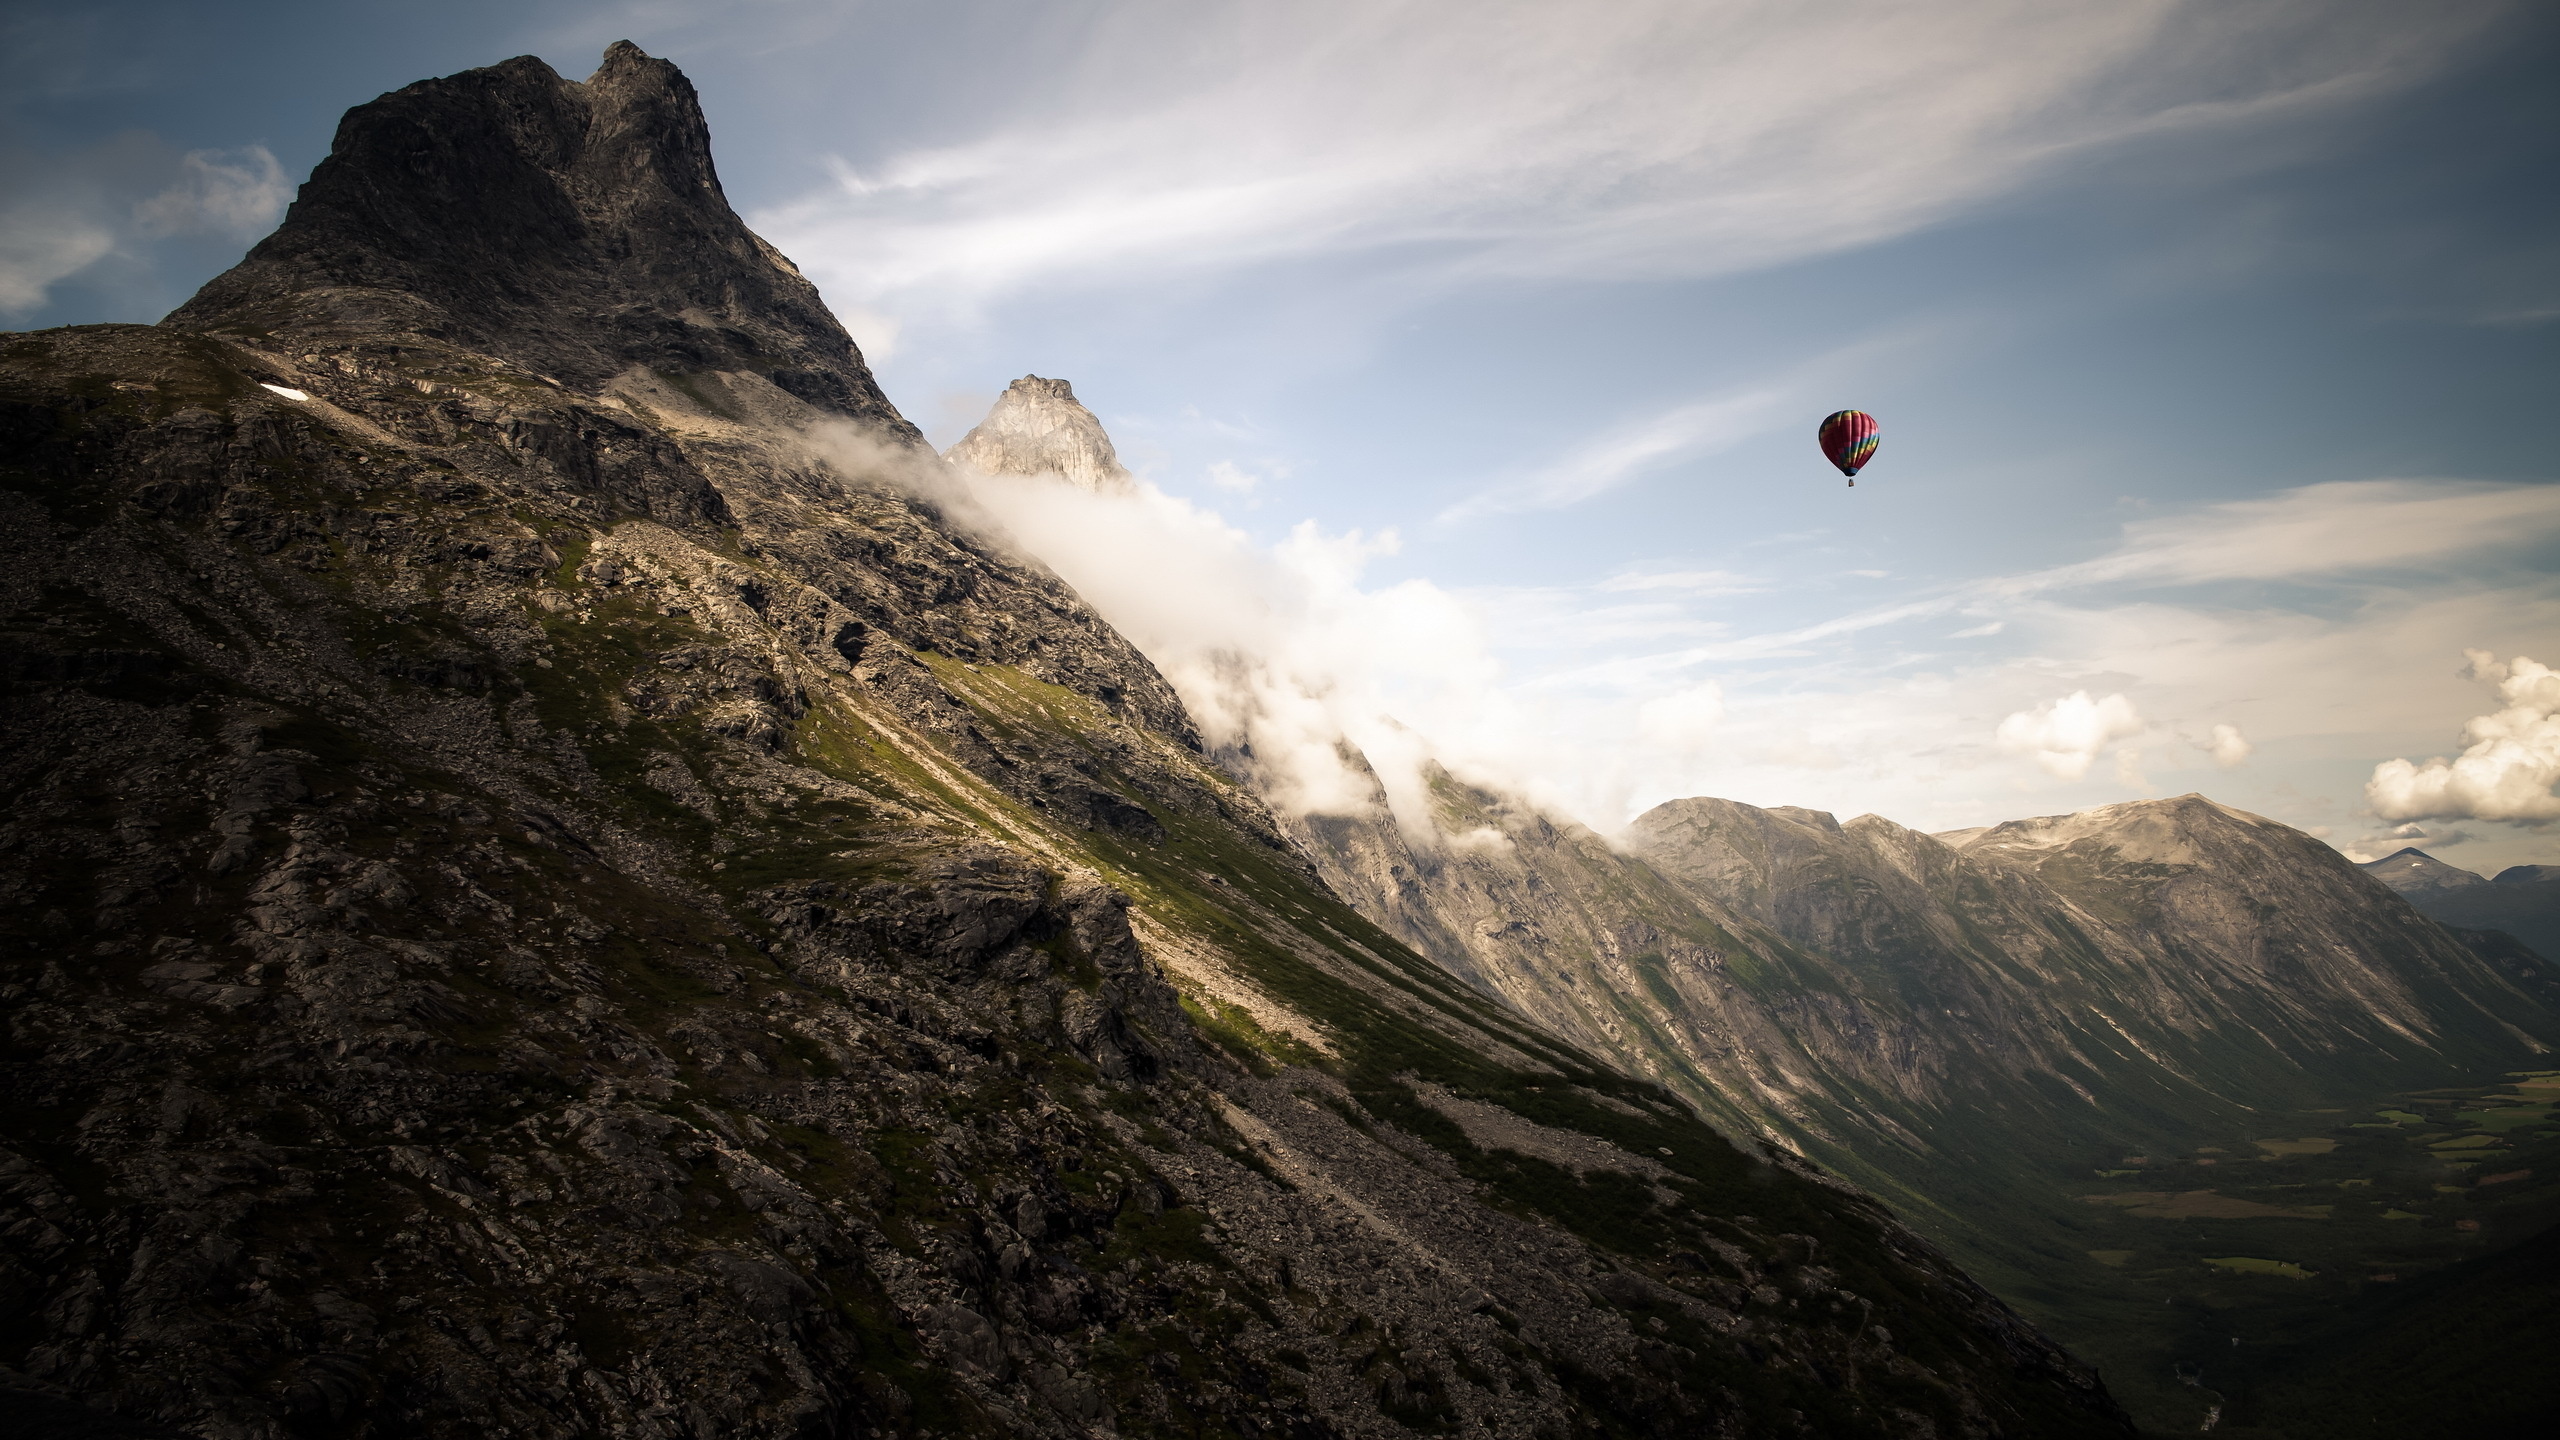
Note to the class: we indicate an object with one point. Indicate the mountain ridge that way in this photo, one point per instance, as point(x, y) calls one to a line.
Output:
point(1977, 1025)
point(2522, 902)
point(553, 893)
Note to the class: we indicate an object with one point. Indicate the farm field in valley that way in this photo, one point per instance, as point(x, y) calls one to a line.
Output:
point(2243, 1245)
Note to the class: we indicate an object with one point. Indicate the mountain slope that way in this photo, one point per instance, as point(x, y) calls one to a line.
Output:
point(2523, 900)
point(553, 890)
point(1970, 1031)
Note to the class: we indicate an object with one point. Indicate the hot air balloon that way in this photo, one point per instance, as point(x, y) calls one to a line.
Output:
point(1849, 440)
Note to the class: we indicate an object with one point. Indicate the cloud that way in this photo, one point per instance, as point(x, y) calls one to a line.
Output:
point(2066, 735)
point(2338, 532)
point(1686, 582)
point(1277, 648)
point(235, 193)
point(1683, 719)
point(40, 244)
point(2228, 746)
point(1232, 478)
point(1622, 455)
point(112, 206)
point(2510, 767)
point(1645, 139)
point(2313, 531)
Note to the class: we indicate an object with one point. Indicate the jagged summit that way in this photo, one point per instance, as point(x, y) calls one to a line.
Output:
point(2410, 868)
point(575, 228)
point(1038, 427)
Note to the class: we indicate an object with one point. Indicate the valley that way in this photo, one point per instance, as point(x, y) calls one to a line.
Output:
point(2165, 1075)
point(566, 877)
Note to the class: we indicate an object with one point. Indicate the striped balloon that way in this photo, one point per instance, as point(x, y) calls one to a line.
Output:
point(1849, 440)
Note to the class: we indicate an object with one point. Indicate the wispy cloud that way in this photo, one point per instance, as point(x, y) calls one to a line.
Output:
point(2341, 527)
point(2341, 530)
point(66, 212)
point(1649, 138)
point(1634, 450)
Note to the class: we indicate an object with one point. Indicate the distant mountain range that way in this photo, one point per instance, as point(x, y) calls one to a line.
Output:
point(2522, 900)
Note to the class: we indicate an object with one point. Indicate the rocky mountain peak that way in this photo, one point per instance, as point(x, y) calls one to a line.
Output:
point(576, 228)
point(2411, 869)
point(2178, 830)
point(1038, 427)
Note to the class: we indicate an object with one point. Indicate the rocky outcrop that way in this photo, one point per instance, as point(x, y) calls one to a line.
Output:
point(1038, 427)
point(577, 230)
point(550, 890)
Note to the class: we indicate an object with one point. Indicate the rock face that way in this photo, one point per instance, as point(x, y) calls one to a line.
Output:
point(1038, 427)
point(550, 891)
point(2523, 901)
point(598, 244)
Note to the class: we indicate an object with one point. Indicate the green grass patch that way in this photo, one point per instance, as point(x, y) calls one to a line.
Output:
point(2251, 1265)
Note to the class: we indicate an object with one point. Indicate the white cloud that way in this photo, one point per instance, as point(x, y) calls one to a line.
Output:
point(86, 210)
point(1277, 647)
point(1233, 478)
point(1648, 138)
point(40, 244)
point(235, 193)
point(2315, 530)
point(1683, 720)
point(2129, 770)
point(2064, 736)
point(2508, 770)
point(2228, 746)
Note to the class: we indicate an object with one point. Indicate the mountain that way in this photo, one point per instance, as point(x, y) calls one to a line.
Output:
point(2415, 872)
point(1972, 1029)
point(1038, 427)
point(2523, 900)
point(1982, 1024)
point(552, 888)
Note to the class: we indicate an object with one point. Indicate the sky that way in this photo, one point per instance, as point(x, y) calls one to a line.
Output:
point(1471, 355)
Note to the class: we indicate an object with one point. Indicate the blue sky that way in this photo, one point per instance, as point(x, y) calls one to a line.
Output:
point(2214, 348)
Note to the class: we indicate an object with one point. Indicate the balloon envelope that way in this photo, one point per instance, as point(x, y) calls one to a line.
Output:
point(1849, 439)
